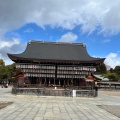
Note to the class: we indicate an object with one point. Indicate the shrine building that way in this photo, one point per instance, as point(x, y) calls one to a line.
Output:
point(54, 64)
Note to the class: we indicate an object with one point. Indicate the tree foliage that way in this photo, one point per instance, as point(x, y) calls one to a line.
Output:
point(101, 68)
point(113, 74)
point(6, 72)
point(117, 70)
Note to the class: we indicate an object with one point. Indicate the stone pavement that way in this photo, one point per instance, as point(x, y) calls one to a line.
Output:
point(29, 107)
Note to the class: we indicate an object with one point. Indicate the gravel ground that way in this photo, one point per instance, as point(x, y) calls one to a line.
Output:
point(113, 109)
point(111, 93)
point(4, 104)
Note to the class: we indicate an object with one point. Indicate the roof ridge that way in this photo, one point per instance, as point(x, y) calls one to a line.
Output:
point(69, 43)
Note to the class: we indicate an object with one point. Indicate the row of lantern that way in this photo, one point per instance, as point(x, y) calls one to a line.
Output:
point(89, 68)
point(73, 72)
point(59, 71)
point(38, 71)
point(71, 76)
point(53, 71)
point(53, 75)
point(39, 75)
point(35, 66)
point(81, 68)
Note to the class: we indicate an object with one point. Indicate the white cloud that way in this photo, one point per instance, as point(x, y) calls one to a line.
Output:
point(106, 40)
point(112, 60)
point(10, 45)
point(9, 42)
point(68, 37)
point(28, 30)
point(89, 14)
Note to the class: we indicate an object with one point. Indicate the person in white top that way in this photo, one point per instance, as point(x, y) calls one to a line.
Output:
point(7, 85)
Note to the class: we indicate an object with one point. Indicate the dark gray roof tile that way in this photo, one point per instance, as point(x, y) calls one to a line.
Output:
point(55, 51)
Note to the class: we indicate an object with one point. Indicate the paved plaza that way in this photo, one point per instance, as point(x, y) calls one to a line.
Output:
point(31, 107)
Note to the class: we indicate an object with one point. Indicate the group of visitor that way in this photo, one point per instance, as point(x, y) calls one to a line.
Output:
point(5, 85)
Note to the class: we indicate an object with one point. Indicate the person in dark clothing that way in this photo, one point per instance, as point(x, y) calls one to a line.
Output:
point(96, 91)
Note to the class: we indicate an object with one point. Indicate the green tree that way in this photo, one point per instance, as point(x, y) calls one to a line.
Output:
point(101, 69)
point(6, 72)
point(112, 76)
point(2, 70)
point(111, 70)
point(2, 63)
point(10, 71)
point(117, 70)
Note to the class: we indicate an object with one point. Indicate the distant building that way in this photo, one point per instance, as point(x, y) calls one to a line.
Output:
point(55, 64)
point(102, 78)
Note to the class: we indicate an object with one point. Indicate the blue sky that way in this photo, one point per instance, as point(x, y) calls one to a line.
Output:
point(95, 23)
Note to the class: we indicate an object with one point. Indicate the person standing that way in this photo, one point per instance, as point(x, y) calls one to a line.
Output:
point(7, 85)
point(96, 90)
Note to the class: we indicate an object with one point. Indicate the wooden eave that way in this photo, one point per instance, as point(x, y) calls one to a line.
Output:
point(15, 58)
point(18, 75)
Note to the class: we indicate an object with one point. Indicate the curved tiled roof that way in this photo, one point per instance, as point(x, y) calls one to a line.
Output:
point(55, 51)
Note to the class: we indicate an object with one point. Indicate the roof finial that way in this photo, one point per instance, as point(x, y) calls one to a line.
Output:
point(30, 42)
point(84, 45)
